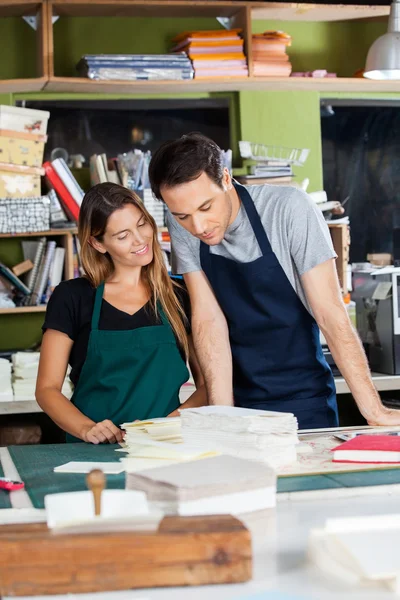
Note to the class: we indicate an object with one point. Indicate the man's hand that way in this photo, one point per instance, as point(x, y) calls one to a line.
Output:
point(105, 431)
point(385, 417)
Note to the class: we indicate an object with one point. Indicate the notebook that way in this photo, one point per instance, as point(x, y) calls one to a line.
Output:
point(369, 449)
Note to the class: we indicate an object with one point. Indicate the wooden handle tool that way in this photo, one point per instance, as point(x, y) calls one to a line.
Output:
point(96, 482)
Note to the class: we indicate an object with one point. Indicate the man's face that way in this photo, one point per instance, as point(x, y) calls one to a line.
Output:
point(202, 207)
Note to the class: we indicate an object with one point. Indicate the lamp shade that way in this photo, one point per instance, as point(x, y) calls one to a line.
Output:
point(383, 59)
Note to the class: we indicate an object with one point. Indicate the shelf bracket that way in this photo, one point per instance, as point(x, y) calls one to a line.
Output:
point(225, 22)
point(32, 21)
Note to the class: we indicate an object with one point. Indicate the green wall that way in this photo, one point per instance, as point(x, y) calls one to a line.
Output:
point(284, 118)
point(340, 47)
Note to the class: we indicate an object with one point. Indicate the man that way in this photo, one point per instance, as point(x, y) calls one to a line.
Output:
point(259, 266)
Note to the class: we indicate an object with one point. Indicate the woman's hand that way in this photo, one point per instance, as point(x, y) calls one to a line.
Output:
point(105, 431)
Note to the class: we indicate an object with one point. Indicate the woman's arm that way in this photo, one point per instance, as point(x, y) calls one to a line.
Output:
point(199, 397)
point(54, 356)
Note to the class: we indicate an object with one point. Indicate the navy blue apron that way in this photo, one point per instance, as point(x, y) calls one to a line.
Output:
point(278, 363)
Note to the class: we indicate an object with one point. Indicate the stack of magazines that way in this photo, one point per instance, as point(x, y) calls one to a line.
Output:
point(133, 67)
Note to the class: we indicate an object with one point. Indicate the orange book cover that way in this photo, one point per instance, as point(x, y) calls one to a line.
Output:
point(226, 56)
point(223, 33)
point(265, 57)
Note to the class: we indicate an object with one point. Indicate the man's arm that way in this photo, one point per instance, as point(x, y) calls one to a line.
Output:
point(211, 339)
point(323, 293)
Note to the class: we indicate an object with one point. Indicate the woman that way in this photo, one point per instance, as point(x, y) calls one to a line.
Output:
point(121, 327)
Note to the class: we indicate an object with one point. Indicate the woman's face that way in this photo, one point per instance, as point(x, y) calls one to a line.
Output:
point(128, 238)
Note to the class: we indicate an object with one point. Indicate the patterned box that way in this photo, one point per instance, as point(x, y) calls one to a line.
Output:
point(21, 148)
point(18, 181)
point(24, 215)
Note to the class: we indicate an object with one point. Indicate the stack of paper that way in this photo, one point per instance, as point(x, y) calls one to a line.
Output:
point(359, 550)
point(25, 369)
point(216, 485)
point(6, 392)
point(215, 53)
point(246, 433)
point(269, 54)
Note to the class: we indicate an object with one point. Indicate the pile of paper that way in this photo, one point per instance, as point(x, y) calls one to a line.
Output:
point(156, 443)
point(25, 370)
point(215, 53)
point(246, 433)
point(6, 392)
point(359, 550)
point(216, 485)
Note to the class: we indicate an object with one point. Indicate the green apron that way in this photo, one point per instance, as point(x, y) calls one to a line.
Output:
point(128, 375)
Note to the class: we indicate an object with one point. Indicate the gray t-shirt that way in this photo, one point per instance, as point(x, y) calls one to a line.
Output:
point(295, 226)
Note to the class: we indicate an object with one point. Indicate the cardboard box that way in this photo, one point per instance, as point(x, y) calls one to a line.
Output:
point(18, 181)
point(21, 149)
point(24, 120)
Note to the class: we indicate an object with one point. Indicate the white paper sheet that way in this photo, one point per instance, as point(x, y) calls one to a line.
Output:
point(109, 468)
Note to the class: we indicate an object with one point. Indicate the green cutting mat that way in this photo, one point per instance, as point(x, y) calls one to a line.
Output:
point(4, 496)
point(35, 466)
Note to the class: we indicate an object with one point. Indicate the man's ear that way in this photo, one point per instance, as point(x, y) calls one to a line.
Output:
point(97, 245)
point(227, 180)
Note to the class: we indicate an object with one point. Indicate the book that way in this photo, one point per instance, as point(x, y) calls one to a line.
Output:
point(40, 246)
point(369, 449)
point(42, 280)
point(70, 205)
point(14, 280)
point(68, 179)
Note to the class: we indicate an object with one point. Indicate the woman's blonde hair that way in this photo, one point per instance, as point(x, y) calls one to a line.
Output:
point(97, 206)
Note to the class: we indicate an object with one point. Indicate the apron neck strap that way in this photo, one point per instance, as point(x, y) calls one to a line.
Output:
point(253, 217)
point(97, 307)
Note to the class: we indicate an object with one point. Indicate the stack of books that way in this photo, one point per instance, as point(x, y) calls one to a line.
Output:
point(134, 67)
point(246, 433)
point(213, 53)
point(25, 370)
point(269, 54)
point(213, 486)
point(61, 180)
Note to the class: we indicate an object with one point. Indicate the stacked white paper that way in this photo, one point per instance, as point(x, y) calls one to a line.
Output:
point(246, 433)
point(6, 392)
point(25, 370)
point(359, 550)
point(216, 485)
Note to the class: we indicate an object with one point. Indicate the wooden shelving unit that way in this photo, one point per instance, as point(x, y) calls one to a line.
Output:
point(340, 234)
point(240, 14)
point(22, 309)
point(66, 240)
point(29, 8)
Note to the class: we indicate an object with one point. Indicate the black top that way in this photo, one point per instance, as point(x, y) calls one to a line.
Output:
point(70, 311)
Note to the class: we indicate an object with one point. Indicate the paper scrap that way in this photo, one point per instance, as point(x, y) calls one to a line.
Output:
point(109, 468)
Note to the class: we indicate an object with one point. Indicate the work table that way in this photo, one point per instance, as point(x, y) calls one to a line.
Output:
point(279, 536)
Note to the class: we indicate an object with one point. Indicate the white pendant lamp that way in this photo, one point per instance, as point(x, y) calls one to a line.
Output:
point(383, 60)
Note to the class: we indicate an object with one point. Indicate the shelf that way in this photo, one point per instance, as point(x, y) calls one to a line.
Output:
point(49, 233)
point(19, 407)
point(282, 11)
point(19, 8)
point(23, 309)
point(227, 84)
point(145, 8)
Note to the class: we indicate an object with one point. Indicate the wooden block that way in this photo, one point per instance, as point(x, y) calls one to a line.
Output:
point(22, 267)
point(184, 551)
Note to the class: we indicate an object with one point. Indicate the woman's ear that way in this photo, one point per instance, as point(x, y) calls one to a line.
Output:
point(97, 245)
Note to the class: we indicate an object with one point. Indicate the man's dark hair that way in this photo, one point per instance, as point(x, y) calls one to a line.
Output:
point(183, 160)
